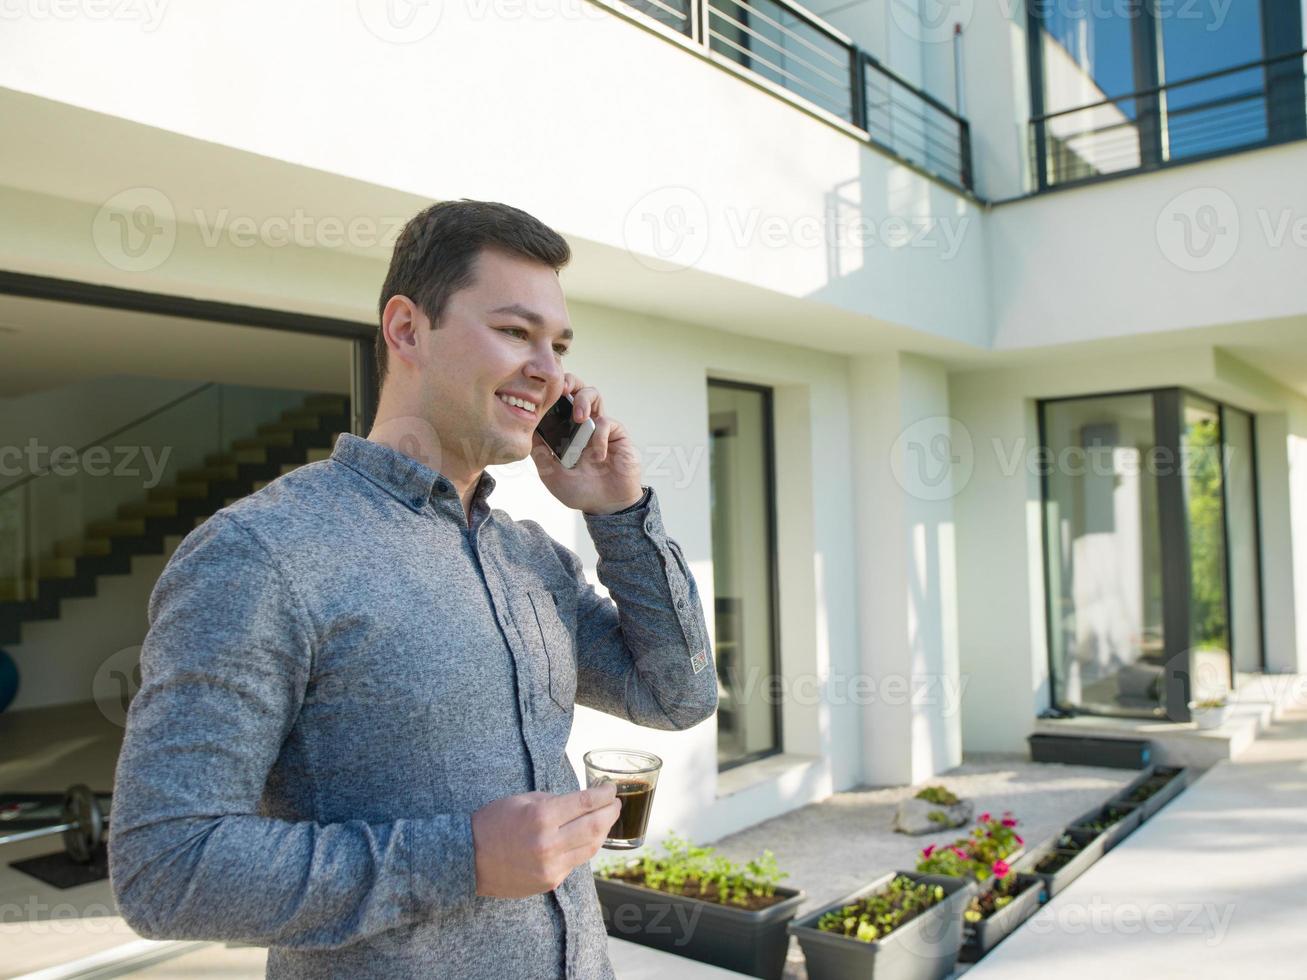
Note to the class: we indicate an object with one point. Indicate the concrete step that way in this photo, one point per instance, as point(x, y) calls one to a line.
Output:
point(81, 547)
point(263, 441)
point(1255, 704)
point(149, 508)
point(122, 528)
point(302, 418)
point(259, 455)
point(190, 490)
point(56, 568)
point(211, 474)
point(329, 404)
point(14, 590)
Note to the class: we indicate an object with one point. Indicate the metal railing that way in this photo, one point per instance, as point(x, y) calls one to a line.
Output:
point(791, 48)
point(1158, 126)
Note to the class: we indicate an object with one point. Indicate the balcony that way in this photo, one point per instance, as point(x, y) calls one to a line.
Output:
point(1250, 105)
point(800, 57)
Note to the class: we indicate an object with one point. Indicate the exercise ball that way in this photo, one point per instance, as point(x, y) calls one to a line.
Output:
point(8, 680)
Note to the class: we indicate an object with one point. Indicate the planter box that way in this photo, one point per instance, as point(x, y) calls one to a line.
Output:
point(924, 949)
point(1179, 780)
point(978, 938)
point(1077, 750)
point(1208, 718)
point(1078, 861)
point(752, 943)
point(1116, 833)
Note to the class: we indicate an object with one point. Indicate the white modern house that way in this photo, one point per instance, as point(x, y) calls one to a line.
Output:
point(966, 342)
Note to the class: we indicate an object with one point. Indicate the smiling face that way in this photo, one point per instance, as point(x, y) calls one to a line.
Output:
point(501, 339)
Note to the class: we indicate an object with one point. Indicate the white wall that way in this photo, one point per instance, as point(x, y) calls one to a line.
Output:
point(996, 87)
point(1113, 260)
point(604, 130)
point(906, 576)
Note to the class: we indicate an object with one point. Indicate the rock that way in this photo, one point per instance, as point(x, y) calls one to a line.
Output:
point(914, 816)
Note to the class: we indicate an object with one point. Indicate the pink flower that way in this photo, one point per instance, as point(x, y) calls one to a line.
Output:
point(961, 853)
point(1001, 867)
point(984, 817)
point(1009, 822)
point(928, 851)
point(1019, 838)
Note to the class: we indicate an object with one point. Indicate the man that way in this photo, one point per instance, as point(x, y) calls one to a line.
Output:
point(358, 683)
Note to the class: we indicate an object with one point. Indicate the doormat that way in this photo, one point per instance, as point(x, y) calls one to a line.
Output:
point(61, 871)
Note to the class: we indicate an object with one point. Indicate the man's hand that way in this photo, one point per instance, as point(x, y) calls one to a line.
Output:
point(607, 477)
point(527, 844)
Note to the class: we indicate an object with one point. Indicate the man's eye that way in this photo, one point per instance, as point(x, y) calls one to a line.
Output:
point(514, 330)
point(562, 351)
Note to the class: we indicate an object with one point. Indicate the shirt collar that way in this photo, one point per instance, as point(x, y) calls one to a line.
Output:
point(409, 481)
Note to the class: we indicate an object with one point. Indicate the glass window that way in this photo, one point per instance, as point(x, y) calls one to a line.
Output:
point(1104, 554)
point(1222, 112)
point(744, 570)
point(1242, 524)
point(1209, 633)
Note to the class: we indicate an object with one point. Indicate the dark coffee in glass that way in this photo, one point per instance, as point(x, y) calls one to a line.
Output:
point(636, 776)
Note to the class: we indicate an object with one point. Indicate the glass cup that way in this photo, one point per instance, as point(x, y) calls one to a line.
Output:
point(636, 776)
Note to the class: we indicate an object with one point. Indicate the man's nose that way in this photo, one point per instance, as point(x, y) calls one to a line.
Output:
point(545, 368)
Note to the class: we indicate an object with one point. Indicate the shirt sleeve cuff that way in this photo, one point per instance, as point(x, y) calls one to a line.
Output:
point(636, 530)
point(442, 861)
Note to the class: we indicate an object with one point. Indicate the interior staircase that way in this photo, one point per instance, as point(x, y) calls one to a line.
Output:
point(302, 435)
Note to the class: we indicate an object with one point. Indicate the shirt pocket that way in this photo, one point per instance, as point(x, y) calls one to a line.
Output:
point(556, 622)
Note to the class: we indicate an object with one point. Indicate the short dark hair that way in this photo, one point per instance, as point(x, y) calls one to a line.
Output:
point(435, 253)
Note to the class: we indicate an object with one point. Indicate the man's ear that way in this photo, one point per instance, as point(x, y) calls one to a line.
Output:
point(400, 322)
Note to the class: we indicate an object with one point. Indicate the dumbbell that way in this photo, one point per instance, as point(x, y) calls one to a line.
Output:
point(82, 824)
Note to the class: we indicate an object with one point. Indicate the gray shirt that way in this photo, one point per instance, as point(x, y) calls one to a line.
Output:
point(338, 671)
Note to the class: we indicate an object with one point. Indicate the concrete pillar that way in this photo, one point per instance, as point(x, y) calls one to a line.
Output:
point(1282, 501)
point(904, 468)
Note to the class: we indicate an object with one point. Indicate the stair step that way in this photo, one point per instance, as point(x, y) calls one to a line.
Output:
point(237, 456)
point(264, 441)
point(13, 590)
point(80, 547)
point(283, 428)
point(300, 418)
point(190, 490)
point(337, 404)
point(228, 472)
point(122, 528)
point(56, 568)
point(149, 508)
point(80, 587)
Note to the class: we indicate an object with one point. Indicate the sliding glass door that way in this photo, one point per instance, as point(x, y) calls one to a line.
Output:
point(1104, 555)
point(1150, 551)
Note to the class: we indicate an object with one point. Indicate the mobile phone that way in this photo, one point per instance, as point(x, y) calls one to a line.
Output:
point(565, 437)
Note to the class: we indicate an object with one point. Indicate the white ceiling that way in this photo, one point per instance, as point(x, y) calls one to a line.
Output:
point(45, 344)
